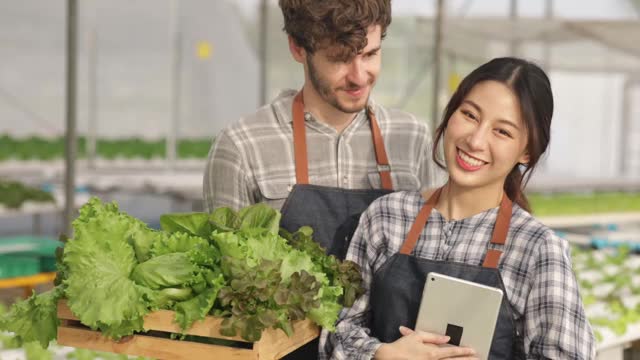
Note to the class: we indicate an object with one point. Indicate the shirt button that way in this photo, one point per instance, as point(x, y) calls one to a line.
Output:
point(289, 187)
point(307, 116)
point(345, 179)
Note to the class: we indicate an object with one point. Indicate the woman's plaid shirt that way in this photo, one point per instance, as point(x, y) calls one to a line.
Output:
point(535, 267)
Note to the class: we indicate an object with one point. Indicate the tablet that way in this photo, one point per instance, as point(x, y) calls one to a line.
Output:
point(464, 310)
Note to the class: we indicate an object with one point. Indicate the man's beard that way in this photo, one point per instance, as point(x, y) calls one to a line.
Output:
point(327, 94)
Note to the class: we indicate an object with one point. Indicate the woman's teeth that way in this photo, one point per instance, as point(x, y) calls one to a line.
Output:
point(469, 160)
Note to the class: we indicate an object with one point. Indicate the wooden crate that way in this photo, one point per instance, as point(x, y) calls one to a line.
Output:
point(274, 343)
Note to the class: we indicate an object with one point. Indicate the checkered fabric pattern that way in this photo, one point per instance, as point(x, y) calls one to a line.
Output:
point(252, 160)
point(535, 267)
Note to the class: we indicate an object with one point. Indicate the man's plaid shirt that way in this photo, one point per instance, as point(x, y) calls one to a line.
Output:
point(535, 267)
point(252, 160)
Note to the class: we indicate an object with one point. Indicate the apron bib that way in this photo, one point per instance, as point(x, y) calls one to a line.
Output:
point(333, 213)
point(404, 275)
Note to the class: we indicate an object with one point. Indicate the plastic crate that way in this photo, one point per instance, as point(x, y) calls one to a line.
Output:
point(41, 249)
point(17, 266)
point(48, 264)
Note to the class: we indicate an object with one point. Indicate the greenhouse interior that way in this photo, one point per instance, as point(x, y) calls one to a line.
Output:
point(113, 244)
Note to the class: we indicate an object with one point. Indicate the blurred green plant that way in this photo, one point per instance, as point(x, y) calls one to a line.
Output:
point(588, 203)
point(13, 194)
point(605, 278)
point(36, 148)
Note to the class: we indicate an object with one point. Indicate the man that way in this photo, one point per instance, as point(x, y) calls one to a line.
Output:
point(322, 154)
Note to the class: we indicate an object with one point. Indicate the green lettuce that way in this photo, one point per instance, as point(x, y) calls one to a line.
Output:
point(99, 262)
point(200, 251)
point(196, 308)
point(260, 216)
point(271, 282)
point(237, 265)
point(191, 223)
point(34, 319)
point(164, 271)
point(224, 219)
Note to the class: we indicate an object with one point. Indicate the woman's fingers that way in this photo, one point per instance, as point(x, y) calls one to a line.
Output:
point(425, 337)
point(431, 338)
point(455, 352)
point(405, 331)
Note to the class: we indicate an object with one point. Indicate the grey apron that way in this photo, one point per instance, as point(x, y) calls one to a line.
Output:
point(332, 212)
point(403, 276)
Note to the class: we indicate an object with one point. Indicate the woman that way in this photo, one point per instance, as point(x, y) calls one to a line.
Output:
point(477, 227)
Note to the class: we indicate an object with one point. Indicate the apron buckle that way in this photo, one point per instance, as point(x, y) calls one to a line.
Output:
point(384, 167)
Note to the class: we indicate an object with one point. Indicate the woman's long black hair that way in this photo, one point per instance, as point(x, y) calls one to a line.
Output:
point(531, 86)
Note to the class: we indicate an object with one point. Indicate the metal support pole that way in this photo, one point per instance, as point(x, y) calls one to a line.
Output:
point(92, 127)
point(513, 15)
point(437, 66)
point(70, 148)
point(264, 25)
point(176, 82)
point(626, 129)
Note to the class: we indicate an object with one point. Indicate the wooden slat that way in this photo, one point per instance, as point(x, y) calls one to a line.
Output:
point(64, 312)
point(275, 344)
point(141, 345)
point(163, 320)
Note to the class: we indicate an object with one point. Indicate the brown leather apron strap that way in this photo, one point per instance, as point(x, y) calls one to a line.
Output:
point(499, 237)
point(300, 141)
point(381, 153)
point(500, 231)
point(300, 146)
point(419, 223)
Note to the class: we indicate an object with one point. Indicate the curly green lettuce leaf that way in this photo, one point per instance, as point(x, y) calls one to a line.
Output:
point(191, 223)
point(200, 250)
point(168, 270)
point(234, 246)
point(34, 319)
point(326, 314)
point(196, 308)
point(142, 240)
point(261, 216)
point(99, 261)
point(340, 273)
point(169, 296)
point(224, 219)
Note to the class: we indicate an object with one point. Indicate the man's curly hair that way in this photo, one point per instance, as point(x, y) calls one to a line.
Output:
point(337, 24)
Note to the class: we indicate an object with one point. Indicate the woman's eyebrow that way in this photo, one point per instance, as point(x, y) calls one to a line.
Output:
point(478, 108)
point(502, 121)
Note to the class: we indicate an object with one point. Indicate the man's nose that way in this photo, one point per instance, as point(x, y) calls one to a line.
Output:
point(357, 73)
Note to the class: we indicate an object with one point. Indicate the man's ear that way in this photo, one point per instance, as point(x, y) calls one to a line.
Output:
point(298, 52)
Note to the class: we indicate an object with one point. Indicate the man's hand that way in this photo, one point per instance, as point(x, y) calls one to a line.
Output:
point(422, 345)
